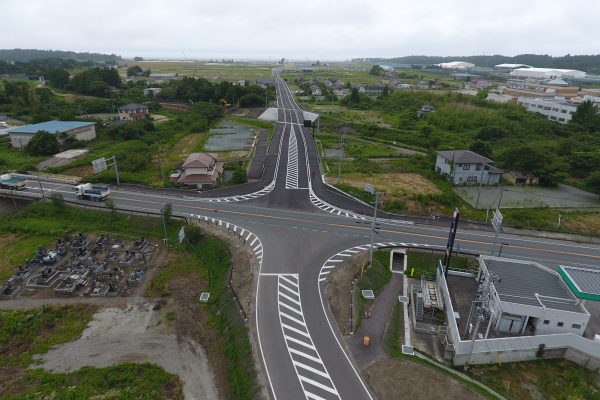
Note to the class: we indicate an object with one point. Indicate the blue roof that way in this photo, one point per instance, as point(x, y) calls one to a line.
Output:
point(51, 126)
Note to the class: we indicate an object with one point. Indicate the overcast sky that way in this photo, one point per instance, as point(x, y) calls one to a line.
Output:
point(309, 29)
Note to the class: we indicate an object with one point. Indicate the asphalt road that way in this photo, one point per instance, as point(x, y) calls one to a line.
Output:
point(293, 214)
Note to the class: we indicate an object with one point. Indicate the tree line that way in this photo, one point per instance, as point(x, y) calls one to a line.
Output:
point(35, 54)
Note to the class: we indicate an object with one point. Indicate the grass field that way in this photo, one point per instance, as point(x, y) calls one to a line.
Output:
point(423, 263)
point(211, 71)
point(544, 379)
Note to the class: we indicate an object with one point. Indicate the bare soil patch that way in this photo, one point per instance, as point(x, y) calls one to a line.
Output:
point(393, 184)
point(393, 378)
point(82, 171)
point(588, 224)
point(118, 335)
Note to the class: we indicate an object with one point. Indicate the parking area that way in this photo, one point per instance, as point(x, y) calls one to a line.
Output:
point(562, 196)
point(230, 137)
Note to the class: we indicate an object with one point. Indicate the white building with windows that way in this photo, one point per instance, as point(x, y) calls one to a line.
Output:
point(464, 167)
point(555, 110)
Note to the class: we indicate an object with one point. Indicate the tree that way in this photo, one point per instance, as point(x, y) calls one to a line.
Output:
point(239, 176)
point(481, 147)
point(138, 58)
point(59, 78)
point(42, 144)
point(592, 182)
point(136, 70)
point(376, 70)
point(587, 116)
point(113, 209)
point(252, 100)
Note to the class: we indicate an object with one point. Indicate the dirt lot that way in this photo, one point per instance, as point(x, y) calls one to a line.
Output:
point(137, 333)
point(338, 290)
point(393, 378)
point(393, 184)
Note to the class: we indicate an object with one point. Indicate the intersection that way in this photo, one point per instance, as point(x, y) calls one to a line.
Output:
point(300, 224)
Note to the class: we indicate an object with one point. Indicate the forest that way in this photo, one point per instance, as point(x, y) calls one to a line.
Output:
point(35, 54)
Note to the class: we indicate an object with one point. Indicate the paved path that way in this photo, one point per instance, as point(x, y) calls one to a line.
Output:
point(374, 327)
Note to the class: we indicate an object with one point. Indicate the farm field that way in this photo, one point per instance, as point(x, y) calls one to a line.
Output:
point(215, 72)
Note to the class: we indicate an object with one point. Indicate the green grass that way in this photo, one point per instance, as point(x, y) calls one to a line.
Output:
point(16, 249)
point(376, 277)
point(16, 160)
point(25, 333)
point(123, 381)
point(212, 72)
point(422, 263)
point(554, 379)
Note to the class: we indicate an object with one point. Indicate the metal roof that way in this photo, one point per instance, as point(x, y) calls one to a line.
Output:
point(583, 282)
point(51, 127)
point(530, 284)
point(465, 157)
point(132, 106)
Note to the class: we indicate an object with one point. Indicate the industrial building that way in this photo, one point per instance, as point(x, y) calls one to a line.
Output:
point(532, 88)
point(546, 73)
point(458, 65)
point(555, 110)
point(20, 136)
point(515, 310)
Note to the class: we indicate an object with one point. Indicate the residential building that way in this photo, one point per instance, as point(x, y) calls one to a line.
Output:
point(341, 93)
point(520, 178)
point(200, 170)
point(374, 89)
point(161, 77)
point(264, 82)
point(132, 112)
point(151, 92)
point(555, 110)
point(464, 167)
point(550, 88)
point(546, 73)
point(20, 136)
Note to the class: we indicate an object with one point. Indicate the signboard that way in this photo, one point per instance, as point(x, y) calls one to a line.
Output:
point(181, 234)
point(99, 164)
point(369, 188)
point(497, 220)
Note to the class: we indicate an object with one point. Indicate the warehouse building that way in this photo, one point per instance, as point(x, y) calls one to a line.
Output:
point(547, 73)
point(20, 136)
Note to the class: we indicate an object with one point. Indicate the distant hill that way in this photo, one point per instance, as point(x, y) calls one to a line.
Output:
point(588, 63)
point(34, 54)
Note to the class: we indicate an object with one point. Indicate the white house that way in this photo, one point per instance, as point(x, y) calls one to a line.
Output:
point(464, 167)
point(555, 110)
point(20, 136)
point(199, 169)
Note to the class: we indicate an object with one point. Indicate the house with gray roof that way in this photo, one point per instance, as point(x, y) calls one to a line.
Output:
point(133, 112)
point(465, 167)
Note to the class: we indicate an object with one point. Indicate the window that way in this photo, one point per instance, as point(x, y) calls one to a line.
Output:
point(466, 167)
point(471, 178)
point(576, 326)
point(560, 324)
point(546, 322)
point(478, 167)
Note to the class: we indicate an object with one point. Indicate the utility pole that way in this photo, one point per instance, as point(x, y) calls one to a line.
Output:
point(116, 170)
point(162, 211)
point(162, 176)
point(480, 185)
point(41, 188)
point(373, 228)
point(341, 150)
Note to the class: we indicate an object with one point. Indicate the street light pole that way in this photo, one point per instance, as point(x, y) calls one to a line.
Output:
point(341, 149)
point(373, 228)
point(162, 211)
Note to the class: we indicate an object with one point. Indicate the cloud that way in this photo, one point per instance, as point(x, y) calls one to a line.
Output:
point(327, 29)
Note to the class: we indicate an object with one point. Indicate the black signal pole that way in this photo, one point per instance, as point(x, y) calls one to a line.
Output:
point(451, 237)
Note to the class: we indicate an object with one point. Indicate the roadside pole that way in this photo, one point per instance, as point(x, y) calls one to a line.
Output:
point(116, 170)
point(41, 188)
point(497, 224)
point(162, 175)
point(480, 185)
point(373, 228)
point(450, 243)
point(341, 150)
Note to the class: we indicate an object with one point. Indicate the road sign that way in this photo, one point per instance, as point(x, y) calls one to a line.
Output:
point(99, 164)
point(181, 234)
point(497, 220)
point(369, 188)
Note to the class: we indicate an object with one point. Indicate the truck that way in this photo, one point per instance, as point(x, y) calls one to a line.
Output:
point(86, 191)
point(12, 182)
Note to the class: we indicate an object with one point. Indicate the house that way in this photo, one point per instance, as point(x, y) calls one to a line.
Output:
point(161, 77)
point(464, 167)
point(132, 112)
point(519, 178)
point(482, 84)
point(427, 108)
point(200, 170)
point(555, 110)
point(264, 82)
point(375, 89)
point(151, 92)
point(20, 136)
point(341, 93)
point(315, 90)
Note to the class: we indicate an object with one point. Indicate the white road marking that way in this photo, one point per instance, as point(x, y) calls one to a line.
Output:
point(291, 178)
